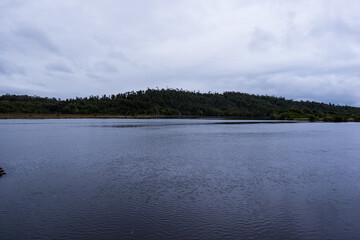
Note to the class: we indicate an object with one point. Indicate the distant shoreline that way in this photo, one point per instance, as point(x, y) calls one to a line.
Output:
point(73, 116)
point(108, 116)
point(105, 116)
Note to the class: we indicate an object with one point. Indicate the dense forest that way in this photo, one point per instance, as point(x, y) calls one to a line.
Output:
point(180, 103)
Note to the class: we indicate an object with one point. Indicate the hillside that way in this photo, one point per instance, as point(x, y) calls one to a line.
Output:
point(180, 103)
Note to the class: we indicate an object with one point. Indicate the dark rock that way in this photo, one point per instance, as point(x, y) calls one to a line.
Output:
point(2, 172)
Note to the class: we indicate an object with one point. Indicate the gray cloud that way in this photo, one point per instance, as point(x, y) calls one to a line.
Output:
point(35, 38)
point(58, 67)
point(261, 40)
point(297, 49)
point(7, 68)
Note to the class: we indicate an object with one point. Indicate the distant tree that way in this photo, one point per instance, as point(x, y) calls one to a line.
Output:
point(178, 102)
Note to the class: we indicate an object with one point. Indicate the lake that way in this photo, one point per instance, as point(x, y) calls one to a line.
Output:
point(179, 179)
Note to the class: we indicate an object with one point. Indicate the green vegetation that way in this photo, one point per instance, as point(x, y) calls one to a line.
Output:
point(176, 103)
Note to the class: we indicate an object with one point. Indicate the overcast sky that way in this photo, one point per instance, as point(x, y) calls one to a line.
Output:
point(297, 49)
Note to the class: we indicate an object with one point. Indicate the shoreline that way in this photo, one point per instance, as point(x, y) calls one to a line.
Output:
point(105, 116)
point(75, 116)
point(109, 116)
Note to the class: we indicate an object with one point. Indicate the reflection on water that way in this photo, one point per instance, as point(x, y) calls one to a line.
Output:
point(182, 179)
point(156, 123)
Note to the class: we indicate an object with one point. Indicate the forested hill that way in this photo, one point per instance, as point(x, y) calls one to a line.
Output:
point(176, 103)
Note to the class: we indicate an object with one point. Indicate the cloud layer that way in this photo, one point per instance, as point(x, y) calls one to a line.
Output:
point(298, 49)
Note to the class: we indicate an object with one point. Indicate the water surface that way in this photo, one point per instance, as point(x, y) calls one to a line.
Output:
point(179, 179)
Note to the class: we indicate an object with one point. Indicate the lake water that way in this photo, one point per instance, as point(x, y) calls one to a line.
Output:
point(178, 179)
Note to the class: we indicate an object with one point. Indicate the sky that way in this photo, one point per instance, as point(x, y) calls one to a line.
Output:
point(301, 50)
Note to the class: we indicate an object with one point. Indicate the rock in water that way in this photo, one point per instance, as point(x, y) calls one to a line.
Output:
point(2, 172)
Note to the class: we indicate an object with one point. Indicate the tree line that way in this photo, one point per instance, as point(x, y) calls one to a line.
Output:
point(180, 103)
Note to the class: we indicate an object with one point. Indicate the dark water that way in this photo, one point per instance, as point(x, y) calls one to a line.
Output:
point(178, 179)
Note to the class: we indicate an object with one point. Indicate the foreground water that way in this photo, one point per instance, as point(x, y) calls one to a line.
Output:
point(178, 179)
